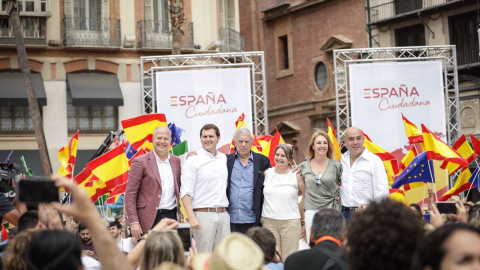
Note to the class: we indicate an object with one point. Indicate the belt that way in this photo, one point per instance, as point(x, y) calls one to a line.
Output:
point(349, 209)
point(164, 211)
point(214, 210)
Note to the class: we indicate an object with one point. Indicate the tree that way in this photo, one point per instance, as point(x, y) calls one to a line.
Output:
point(11, 8)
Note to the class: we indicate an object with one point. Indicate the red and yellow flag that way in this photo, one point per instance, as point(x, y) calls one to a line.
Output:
point(87, 181)
point(112, 167)
point(116, 193)
point(337, 154)
point(438, 150)
point(240, 123)
point(67, 156)
point(268, 144)
point(461, 185)
point(389, 161)
point(398, 195)
point(413, 133)
point(463, 148)
point(139, 130)
point(476, 144)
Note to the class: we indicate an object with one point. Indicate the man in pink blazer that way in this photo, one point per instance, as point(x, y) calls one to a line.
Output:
point(153, 185)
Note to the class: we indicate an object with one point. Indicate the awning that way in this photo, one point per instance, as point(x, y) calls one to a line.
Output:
point(90, 89)
point(14, 93)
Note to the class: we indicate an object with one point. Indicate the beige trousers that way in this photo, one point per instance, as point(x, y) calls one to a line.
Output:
point(287, 234)
point(215, 226)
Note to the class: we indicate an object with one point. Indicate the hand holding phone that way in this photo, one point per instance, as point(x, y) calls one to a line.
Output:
point(185, 235)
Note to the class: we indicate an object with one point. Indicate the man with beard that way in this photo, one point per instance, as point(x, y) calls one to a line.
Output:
point(124, 244)
point(87, 243)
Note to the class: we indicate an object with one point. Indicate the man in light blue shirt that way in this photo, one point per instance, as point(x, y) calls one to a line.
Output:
point(245, 182)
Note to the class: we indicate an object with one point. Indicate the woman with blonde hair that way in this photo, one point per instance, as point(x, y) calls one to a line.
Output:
point(322, 176)
point(162, 246)
point(280, 212)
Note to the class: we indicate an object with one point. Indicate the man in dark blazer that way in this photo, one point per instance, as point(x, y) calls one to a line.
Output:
point(326, 234)
point(245, 182)
point(153, 185)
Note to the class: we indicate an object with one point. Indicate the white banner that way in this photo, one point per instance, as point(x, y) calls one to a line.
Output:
point(381, 92)
point(193, 98)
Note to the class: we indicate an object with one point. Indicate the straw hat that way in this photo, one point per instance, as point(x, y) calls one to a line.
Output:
point(234, 252)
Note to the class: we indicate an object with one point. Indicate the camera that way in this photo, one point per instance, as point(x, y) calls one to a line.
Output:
point(7, 172)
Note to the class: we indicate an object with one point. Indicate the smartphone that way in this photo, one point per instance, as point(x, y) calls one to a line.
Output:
point(185, 235)
point(40, 190)
point(447, 207)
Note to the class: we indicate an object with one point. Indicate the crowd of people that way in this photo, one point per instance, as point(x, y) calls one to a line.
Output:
point(245, 214)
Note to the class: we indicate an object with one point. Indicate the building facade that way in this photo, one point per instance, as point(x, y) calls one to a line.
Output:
point(85, 62)
point(298, 38)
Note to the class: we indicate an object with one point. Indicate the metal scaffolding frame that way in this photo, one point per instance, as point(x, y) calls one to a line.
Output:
point(447, 54)
point(252, 60)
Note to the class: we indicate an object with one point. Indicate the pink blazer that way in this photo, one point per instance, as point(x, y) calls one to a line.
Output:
point(144, 189)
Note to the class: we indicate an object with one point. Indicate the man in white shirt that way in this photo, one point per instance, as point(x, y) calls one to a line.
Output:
point(363, 178)
point(203, 191)
point(124, 244)
point(153, 185)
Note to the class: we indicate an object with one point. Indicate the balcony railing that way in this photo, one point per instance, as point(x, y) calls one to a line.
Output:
point(467, 55)
point(156, 34)
point(396, 8)
point(33, 30)
point(232, 41)
point(91, 32)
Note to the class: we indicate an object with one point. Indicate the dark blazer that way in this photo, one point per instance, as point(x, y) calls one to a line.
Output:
point(144, 189)
point(260, 164)
point(312, 259)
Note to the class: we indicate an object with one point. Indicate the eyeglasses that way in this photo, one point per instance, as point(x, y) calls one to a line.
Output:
point(318, 182)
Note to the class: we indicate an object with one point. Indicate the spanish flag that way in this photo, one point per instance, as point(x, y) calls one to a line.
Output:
point(476, 144)
point(337, 154)
point(438, 150)
point(463, 148)
point(67, 156)
point(269, 143)
point(139, 130)
point(461, 185)
point(389, 161)
point(116, 193)
point(413, 133)
point(87, 181)
point(112, 167)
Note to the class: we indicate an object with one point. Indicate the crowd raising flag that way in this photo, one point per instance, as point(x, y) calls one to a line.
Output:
point(139, 130)
point(337, 154)
point(419, 170)
point(67, 156)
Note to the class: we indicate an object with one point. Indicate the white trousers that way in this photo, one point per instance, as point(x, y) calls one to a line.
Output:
point(215, 226)
point(309, 214)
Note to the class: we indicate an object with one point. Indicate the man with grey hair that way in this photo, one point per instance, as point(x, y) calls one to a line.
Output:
point(245, 182)
point(326, 253)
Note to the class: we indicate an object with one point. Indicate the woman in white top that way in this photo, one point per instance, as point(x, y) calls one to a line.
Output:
point(280, 212)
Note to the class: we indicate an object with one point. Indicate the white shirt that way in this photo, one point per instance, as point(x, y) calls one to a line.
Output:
point(90, 263)
point(280, 195)
point(168, 200)
point(364, 181)
point(204, 178)
point(125, 245)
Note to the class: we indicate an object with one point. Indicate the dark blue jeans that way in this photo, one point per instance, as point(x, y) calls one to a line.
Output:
point(160, 216)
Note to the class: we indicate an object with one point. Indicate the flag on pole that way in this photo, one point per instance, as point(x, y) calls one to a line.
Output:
point(129, 151)
point(419, 170)
point(406, 160)
point(140, 152)
point(413, 133)
point(176, 133)
point(116, 193)
point(337, 154)
point(239, 123)
point(476, 144)
point(389, 161)
point(181, 151)
point(94, 189)
point(461, 185)
point(140, 129)
point(475, 178)
point(438, 150)
point(463, 148)
point(111, 168)
point(67, 156)
point(7, 160)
